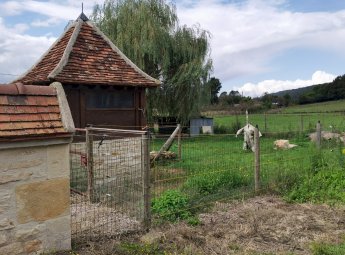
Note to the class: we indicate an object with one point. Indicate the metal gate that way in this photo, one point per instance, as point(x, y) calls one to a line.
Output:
point(109, 182)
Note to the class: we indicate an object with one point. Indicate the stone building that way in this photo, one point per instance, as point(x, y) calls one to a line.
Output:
point(35, 131)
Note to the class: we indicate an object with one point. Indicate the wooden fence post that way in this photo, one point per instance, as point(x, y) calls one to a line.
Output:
point(257, 159)
point(145, 150)
point(90, 175)
point(318, 135)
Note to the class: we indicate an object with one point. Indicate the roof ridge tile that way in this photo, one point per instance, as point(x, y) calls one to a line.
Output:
point(64, 59)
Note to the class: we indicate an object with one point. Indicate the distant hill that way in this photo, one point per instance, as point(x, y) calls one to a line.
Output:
point(334, 90)
point(295, 93)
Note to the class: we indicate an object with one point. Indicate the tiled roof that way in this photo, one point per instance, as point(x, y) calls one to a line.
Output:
point(84, 55)
point(28, 111)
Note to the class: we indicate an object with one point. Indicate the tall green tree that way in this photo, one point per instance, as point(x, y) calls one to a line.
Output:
point(287, 99)
point(214, 85)
point(148, 32)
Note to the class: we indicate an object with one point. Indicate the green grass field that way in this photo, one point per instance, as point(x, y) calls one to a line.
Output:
point(330, 106)
point(291, 119)
point(216, 167)
point(273, 123)
point(277, 123)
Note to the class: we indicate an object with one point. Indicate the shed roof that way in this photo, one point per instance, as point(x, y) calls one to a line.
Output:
point(84, 55)
point(28, 111)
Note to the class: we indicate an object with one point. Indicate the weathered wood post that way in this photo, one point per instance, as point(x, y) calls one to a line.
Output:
point(166, 146)
point(145, 150)
point(257, 159)
point(90, 175)
point(318, 135)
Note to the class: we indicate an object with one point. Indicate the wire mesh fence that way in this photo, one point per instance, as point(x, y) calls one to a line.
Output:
point(108, 170)
point(113, 176)
point(210, 168)
point(273, 123)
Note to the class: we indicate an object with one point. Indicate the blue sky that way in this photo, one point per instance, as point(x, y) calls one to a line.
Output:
point(257, 46)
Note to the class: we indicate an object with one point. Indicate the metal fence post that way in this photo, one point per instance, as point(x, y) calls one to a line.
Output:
point(318, 135)
point(265, 122)
point(146, 180)
point(257, 159)
point(302, 124)
point(89, 153)
point(179, 144)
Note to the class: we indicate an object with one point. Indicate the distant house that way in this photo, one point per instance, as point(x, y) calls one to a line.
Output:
point(103, 87)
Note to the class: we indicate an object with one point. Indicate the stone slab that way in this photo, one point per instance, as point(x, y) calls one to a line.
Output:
point(40, 201)
point(58, 161)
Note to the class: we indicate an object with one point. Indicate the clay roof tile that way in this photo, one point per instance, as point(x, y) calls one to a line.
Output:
point(84, 55)
point(28, 111)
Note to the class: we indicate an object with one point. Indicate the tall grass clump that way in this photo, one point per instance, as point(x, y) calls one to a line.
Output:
point(325, 182)
point(172, 206)
point(221, 129)
point(227, 128)
point(208, 183)
point(326, 186)
point(328, 249)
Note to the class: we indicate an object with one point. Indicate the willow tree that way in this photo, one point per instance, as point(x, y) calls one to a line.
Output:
point(148, 32)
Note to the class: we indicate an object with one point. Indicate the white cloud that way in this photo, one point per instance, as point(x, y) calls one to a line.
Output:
point(19, 51)
point(45, 22)
point(20, 27)
point(270, 86)
point(62, 10)
point(49, 9)
point(247, 35)
point(10, 8)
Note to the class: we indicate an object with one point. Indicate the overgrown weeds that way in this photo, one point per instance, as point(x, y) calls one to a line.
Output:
point(328, 249)
point(326, 186)
point(172, 206)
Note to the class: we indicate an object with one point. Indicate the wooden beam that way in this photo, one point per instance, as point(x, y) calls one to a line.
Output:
point(166, 146)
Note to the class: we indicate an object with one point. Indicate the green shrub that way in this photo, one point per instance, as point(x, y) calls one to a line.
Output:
point(283, 180)
point(211, 183)
point(135, 248)
point(235, 126)
point(172, 205)
point(220, 129)
point(193, 221)
point(227, 129)
point(326, 186)
point(328, 249)
point(317, 162)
